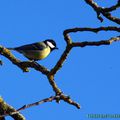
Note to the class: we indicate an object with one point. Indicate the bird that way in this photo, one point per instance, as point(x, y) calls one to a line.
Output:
point(36, 51)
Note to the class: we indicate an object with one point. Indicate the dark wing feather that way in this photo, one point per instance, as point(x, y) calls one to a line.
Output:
point(34, 46)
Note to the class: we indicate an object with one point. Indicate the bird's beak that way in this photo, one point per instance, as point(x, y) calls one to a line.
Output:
point(56, 48)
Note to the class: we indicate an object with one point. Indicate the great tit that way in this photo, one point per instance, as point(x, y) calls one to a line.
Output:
point(36, 51)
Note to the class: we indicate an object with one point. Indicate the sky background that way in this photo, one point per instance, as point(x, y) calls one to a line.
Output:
point(90, 75)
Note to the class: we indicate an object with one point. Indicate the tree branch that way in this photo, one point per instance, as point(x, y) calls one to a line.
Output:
point(104, 11)
point(71, 44)
point(112, 8)
point(95, 30)
point(17, 116)
point(96, 43)
point(6, 109)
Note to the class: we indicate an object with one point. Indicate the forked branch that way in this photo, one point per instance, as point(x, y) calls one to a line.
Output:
point(50, 74)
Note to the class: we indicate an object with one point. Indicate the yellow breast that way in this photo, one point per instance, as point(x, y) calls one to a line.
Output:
point(37, 54)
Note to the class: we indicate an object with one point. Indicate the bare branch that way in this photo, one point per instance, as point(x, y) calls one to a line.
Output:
point(50, 99)
point(112, 8)
point(96, 43)
point(70, 44)
point(15, 113)
point(1, 63)
point(104, 11)
point(95, 30)
point(68, 100)
point(53, 84)
point(61, 60)
point(35, 65)
point(6, 109)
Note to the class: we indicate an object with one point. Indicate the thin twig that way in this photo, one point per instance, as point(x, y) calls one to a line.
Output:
point(6, 110)
point(112, 8)
point(96, 43)
point(50, 99)
point(104, 11)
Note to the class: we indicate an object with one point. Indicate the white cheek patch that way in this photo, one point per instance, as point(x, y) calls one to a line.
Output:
point(50, 44)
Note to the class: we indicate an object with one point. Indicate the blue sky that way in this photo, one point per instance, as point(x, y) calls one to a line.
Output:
point(90, 75)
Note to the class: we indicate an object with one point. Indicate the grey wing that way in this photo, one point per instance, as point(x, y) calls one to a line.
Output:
point(34, 46)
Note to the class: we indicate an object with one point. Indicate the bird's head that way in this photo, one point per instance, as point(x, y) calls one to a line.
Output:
point(51, 43)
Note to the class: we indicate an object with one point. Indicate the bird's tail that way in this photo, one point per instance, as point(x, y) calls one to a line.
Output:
point(11, 48)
